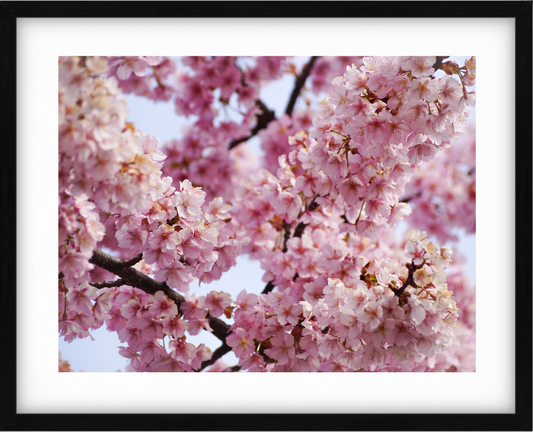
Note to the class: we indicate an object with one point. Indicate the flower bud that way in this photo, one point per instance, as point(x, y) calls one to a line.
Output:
point(449, 67)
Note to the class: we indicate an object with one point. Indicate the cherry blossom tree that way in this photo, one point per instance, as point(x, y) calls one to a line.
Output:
point(324, 212)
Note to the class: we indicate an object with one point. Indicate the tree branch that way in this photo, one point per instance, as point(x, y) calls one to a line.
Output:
point(438, 62)
point(410, 198)
point(298, 85)
point(399, 292)
point(139, 280)
point(301, 226)
point(314, 205)
point(286, 235)
point(269, 287)
point(263, 120)
point(267, 115)
point(133, 261)
point(219, 352)
point(299, 230)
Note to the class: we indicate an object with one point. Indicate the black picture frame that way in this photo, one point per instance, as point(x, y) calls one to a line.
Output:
point(521, 11)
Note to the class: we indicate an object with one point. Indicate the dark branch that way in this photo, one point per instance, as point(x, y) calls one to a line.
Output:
point(219, 352)
point(133, 261)
point(400, 292)
point(299, 230)
point(410, 198)
point(269, 287)
point(108, 284)
point(298, 85)
point(263, 120)
point(132, 276)
point(301, 226)
point(286, 235)
point(237, 141)
point(139, 280)
point(314, 205)
point(220, 328)
point(438, 62)
point(267, 115)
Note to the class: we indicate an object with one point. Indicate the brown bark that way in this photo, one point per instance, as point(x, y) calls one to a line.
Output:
point(267, 115)
point(139, 280)
point(263, 120)
point(298, 85)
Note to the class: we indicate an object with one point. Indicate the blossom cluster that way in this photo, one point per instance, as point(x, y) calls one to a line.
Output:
point(366, 152)
point(389, 320)
point(180, 240)
point(202, 155)
point(203, 158)
point(210, 85)
point(144, 76)
point(309, 223)
point(152, 328)
point(443, 191)
point(203, 87)
point(275, 138)
point(228, 76)
point(142, 321)
point(327, 68)
point(110, 170)
point(378, 126)
point(105, 167)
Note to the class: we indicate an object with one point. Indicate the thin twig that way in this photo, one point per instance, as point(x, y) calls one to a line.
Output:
point(269, 287)
point(133, 261)
point(286, 235)
point(267, 115)
point(219, 352)
point(298, 85)
point(410, 198)
point(263, 119)
point(144, 282)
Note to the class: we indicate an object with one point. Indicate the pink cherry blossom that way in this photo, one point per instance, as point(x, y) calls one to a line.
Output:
point(343, 290)
point(241, 343)
point(216, 302)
